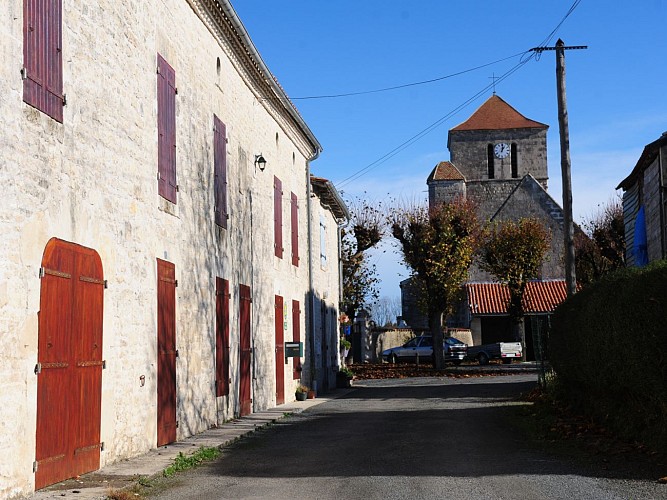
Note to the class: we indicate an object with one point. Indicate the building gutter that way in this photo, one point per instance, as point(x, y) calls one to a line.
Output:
point(269, 79)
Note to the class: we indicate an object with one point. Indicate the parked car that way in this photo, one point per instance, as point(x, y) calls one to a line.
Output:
point(422, 347)
point(507, 351)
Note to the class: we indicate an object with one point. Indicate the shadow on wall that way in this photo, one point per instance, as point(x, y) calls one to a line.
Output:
point(321, 343)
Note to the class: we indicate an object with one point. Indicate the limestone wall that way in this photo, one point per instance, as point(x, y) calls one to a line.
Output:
point(92, 180)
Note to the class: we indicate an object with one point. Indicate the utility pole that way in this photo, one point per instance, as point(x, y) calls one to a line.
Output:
point(570, 274)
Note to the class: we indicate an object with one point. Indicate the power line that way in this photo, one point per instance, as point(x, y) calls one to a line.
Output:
point(525, 57)
point(428, 129)
point(406, 85)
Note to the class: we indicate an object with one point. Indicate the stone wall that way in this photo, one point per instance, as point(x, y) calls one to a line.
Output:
point(468, 151)
point(92, 181)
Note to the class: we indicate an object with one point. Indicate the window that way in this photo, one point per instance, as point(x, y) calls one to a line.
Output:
point(296, 337)
point(294, 212)
point(323, 242)
point(278, 217)
point(515, 162)
point(221, 337)
point(490, 165)
point(166, 118)
point(42, 57)
point(220, 171)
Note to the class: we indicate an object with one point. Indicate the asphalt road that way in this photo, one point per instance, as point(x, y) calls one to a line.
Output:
point(409, 438)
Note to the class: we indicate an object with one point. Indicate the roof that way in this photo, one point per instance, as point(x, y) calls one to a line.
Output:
point(246, 50)
point(492, 298)
point(648, 156)
point(496, 114)
point(445, 171)
point(329, 196)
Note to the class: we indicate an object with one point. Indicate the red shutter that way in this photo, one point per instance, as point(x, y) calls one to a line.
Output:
point(220, 171)
point(295, 230)
point(296, 337)
point(166, 117)
point(166, 344)
point(42, 56)
point(245, 350)
point(278, 216)
point(221, 337)
point(280, 350)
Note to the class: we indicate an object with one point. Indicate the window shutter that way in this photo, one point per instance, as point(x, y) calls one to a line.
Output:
point(220, 170)
point(278, 217)
point(221, 337)
point(296, 337)
point(166, 115)
point(42, 57)
point(294, 212)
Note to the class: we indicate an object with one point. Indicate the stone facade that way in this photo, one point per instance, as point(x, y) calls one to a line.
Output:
point(91, 180)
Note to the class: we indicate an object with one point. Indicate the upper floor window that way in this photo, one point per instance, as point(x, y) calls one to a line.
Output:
point(220, 172)
point(323, 242)
point(278, 217)
point(294, 219)
point(166, 118)
point(42, 57)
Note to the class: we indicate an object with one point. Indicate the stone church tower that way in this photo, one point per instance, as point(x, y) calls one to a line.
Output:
point(498, 160)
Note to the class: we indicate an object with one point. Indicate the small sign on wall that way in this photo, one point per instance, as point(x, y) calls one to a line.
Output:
point(293, 349)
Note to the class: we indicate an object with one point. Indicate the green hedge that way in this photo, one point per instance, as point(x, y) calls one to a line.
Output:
point(608, 347)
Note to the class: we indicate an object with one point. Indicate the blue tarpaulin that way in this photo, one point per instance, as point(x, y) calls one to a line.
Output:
point(640, 246)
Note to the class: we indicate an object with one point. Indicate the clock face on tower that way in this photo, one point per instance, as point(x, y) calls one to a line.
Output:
point(501, 150)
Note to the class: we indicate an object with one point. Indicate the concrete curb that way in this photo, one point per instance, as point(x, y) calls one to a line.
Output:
point(124, 474)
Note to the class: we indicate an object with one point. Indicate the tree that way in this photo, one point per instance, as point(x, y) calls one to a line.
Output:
point(438, 245)
point(364, 231)
point(385, 311)
point(602, 249)
point(513, 252)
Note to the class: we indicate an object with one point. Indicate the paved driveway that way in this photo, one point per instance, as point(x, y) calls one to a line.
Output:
point(409, 438)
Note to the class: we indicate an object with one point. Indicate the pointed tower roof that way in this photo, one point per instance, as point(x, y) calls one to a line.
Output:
point(496, 114)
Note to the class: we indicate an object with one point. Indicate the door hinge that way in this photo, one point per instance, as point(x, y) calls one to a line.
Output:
point(177, 424)
point(102, 446)
point(35, 466)
point(176, 352)
point(106, 284)
point(24, 73)
point(38, 368)
point(176, 283)
point(41, 273)
point(104, 367)
point(177, 189)
point(64, 99)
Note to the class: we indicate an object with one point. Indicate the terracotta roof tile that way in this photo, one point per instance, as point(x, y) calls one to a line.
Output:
point(446, 171)
point(496, 114)
point(492, 298)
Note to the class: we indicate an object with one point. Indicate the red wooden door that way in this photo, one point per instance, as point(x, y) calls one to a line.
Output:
point(280, 351)
point(166, 344)
point(69, 387)
point(244, 349)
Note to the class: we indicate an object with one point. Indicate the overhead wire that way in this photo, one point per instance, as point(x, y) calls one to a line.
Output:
point(526, 56)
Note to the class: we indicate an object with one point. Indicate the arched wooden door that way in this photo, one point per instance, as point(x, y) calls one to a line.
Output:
point(69, 368)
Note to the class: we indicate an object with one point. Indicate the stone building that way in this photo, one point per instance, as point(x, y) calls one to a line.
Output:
point(645, 206)
point(498, 159)
point(162, 234)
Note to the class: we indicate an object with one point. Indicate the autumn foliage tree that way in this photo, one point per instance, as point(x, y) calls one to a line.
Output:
point(602, 249)
point(363, 232)
point(438, 245)
point(513, 252)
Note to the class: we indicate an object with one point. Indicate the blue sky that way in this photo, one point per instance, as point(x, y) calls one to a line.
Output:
point(615, 89)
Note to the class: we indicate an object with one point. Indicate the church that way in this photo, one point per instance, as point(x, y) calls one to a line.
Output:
point(498, 160)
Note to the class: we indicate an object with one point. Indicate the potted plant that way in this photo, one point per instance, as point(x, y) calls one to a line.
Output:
point(344, 377)
point(345, 346)
point(301, 392)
